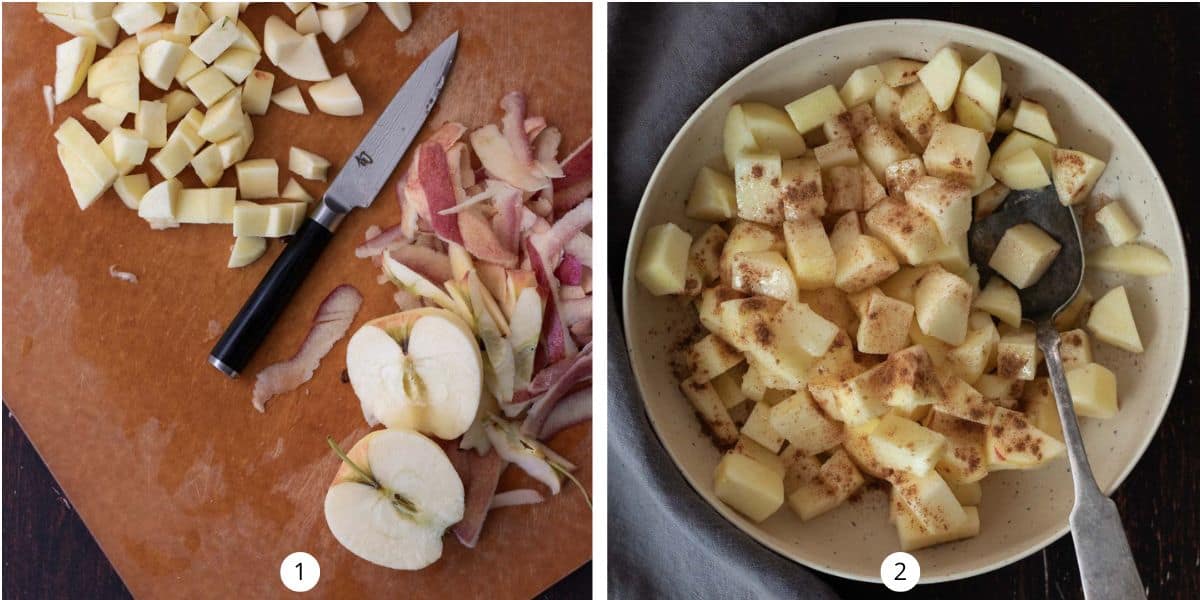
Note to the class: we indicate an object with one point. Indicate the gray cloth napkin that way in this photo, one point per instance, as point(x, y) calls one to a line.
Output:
point(664, 540)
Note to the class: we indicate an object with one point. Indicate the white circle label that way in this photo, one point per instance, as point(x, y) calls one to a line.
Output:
point(300, 572)
point(900, 571)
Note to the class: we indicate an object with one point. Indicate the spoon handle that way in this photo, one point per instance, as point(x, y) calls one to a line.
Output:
point(1106, 565)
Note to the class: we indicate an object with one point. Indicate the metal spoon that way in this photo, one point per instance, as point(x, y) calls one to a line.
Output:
point(1106, 565)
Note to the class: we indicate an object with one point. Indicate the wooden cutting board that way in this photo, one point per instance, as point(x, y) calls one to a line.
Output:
point(190, 491)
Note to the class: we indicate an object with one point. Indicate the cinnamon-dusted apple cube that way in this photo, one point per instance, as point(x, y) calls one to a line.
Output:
point(729, 387)
point(1075, 349)
point(918, 114)
point(747, 237)
point(911, 235)
point(765, 273)
point(705, 253)
point(957, 153)
point(713, 197)
point(873, 191)
point(930, 500)
point(1111, 321)
point(1041, 408)
point(844, 191)
point(752, 385)
point(773, 130)
point(968, 112)
point(745, 319)
point(906, 380)
point(914, 536)
point(861, 85)
point(1001, 391)
point(1017, 354)
point(887, 107)
point(906, 446)
point(663, 258)
point(844, 231)
point(801, 191)
point(757, 453)
point(1069, 316)
point(809, 112)
point(945, 201)
point(712, 412)
point(809, 253)
point(902, 174)
point(941, 76)
point(954, 256)
point(903, 285)
point(837, 480)
point(1021, 171)
point(961, 400)
point(1116, 223)
point(883, 323)
point(1093, 391)
point(1031, 117)
point(837, 364)
point(835, 153)
point(804, 425)
point(1000, 300)
point(736, 137)
point(862, 263)
point(710, 357)
point(1019, 141)
point(799, 325)
point(1024, 254)
point(1014, 443)
point(943, 303)
point(1075, 173)
point(838, 128)
point(971, 358)
point(962, 460)
point(898, 72)
point(749, 487)
point(758, 428)
point(832, 304)
point(708, 306)
point(880, 146)
point(860, 399)
point(799, 468)
point(756, 178)
point(982, 83)
point(857, 444)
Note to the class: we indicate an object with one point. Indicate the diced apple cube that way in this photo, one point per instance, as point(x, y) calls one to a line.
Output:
point(962, 401)
point(1075, 349)
point(1031, 117)
point(918, 114)
point(712, 411)
point(957, 153)
point(1131, 258)
point(1111, 321)
point(151, 123)
point(765, 272)
point(136, 16)
point(1017, 354)
point(1093, 390)
point(873, 191)
point(811, 111)
point(861, 85)
point(971, 358)
point(1041, 408)
point(953, 256)
point(210, 86)
point(989, 200)
point(809, 253)
point(946, 202)
point(729, 387)
point(1024, 254)
point(943, 303)
point(713, 197)
point(804, 425)
point(830, 303)
point(772, 130)
point(747, 237)
point(705, 251)
point(1021, 171)
point(131, 188)
point(941, 75)
point(968, 494)
point(839, 152)
point(737, 138)
point(962, 461)
point(887, 107)
point(883, 323)
point(903, 285)
point(902, 174)
point(880, 147)
point(844, 190)
point(844, 231)
point(908, 233)
point(802, 326)
point(758, 428)
point(898, 72)
point(862, 263)
point(914, 536)
point(756, 452)
point(801, 192)
point(930, 500)
point(1014, 443)
point(1000, 300)
point(752, 385)
point(158, 204)
point(711, 357)
point(903, 445)
point(749, 487)
point(662, 261)
point(757, 177)
point(1117, 225)
point(1075, 173)
point(258, 178)
point(1001, 391)
point(837, 480)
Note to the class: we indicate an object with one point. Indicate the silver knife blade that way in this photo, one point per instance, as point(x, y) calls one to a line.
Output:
point(372, 163)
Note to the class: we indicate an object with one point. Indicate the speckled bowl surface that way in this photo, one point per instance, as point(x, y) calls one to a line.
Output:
point(1021, 512)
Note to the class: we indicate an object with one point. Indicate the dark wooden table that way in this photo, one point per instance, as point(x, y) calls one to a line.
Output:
point(1145, 60)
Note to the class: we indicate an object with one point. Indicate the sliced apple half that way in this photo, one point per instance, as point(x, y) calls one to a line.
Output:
point(419, 369)
point(393, 498)
point(72, 59)
point(337, 97)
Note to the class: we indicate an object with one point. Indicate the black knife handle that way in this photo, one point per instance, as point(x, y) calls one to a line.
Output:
point(251, 325)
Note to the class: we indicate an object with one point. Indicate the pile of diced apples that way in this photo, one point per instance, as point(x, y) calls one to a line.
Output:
point(847, 337)
point(213, 57)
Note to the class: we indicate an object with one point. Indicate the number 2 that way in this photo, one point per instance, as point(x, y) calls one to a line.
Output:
point(300, 571)
point(900, 572)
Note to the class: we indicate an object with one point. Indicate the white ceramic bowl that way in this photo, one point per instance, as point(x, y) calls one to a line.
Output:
point(1021, 512)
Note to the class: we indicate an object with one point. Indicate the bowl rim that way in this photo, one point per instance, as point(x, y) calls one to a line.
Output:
point(628, 284)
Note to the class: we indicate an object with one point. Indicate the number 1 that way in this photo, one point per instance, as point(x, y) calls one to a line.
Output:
point(300, 571)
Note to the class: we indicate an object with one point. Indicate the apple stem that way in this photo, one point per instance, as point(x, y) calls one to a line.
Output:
point(346, 459)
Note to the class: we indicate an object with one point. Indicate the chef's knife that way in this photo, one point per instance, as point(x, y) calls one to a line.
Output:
point(359, 181)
